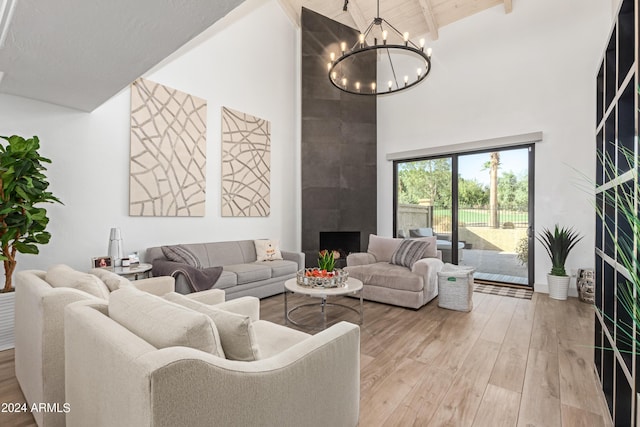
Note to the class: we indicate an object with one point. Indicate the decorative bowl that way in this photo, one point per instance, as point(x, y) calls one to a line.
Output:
point(312, 278)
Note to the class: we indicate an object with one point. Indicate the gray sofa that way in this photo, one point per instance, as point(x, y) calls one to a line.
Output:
point(242, 275)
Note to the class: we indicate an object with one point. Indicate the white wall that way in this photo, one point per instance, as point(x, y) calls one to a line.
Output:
point(497, 75)
point(246, 61)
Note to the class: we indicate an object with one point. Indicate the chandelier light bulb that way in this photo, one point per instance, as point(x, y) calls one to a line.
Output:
point(403, 59)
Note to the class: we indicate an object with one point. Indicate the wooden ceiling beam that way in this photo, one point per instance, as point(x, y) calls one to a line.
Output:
point(356, 14)
point(291, 11)
point(427, 11)
point(508, 6)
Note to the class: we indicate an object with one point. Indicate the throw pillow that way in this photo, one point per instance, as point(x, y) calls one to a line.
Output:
point(162, 323)
point(267, 250)
point(408, 253)
point(63, 276)
point(382, 247)
point(432, 248)
point(109, 278)
point(181, 254)
point(236, 331)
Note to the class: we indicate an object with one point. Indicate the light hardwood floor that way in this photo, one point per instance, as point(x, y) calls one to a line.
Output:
point(509, 362)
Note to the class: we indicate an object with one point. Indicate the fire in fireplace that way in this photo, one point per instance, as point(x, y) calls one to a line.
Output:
point(340, 242)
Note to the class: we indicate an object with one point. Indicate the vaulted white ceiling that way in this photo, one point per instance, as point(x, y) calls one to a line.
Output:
point(79, 53)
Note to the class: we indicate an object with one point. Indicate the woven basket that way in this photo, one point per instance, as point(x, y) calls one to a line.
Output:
point(455, 287)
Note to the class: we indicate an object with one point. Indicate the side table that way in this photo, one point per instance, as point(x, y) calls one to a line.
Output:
point(455, 287)
point(134, 272)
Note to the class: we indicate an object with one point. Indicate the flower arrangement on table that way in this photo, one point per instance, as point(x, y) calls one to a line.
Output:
point(325, 275)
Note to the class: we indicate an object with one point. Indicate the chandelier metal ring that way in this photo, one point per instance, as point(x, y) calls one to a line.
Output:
point(367, 91)
point(339, 72)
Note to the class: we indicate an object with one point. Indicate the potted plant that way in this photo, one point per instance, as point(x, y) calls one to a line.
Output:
point(558, 244)
point(23, 186)
point(326, 260)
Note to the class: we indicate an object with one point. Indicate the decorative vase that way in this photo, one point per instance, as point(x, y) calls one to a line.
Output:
point(115, 246)
point(7, 320)
point(586, 285)
point(558, 286)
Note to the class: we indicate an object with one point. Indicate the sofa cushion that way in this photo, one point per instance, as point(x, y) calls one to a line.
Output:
point(387, 275)
point(247, 273)
point(63, 276)
point(236, 330)
point(280, 268)
point(112, 280)
point(408, 253)
point(181, 254)
point(230, 253)
point(267, 250)
point(273, 338)
point(227, 279)
point(162, 323)
point(382, 247)
point(421, 232)
point(432, 249)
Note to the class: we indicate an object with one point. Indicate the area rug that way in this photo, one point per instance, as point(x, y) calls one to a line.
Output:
point(504, 291)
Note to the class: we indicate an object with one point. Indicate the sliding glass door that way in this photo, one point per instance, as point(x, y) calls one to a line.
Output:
point(478, 205)
point(424, 198)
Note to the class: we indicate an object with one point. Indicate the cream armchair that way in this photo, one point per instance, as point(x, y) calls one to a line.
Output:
point(116, 378)
point(39, 335)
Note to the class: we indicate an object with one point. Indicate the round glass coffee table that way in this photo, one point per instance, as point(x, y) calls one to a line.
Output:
point(352, 286)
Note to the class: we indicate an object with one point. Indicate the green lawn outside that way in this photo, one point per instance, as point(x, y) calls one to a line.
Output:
point(481, 216)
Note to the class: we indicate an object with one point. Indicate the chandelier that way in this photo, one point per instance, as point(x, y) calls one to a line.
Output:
point(399, 63)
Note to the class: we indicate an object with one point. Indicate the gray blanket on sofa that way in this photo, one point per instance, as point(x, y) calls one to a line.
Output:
point(198, 279)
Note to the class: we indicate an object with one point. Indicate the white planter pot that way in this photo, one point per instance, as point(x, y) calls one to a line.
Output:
point(558, 286)
point(7, 320)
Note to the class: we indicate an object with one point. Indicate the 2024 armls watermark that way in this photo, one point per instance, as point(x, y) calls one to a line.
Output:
point(11, 407)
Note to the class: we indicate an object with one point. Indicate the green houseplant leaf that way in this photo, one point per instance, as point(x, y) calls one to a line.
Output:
point(326, 260)
point(23, 185)
point(625, 199)
point(558, 244)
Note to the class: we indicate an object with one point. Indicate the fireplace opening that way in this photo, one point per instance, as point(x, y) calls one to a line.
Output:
point(342, 243)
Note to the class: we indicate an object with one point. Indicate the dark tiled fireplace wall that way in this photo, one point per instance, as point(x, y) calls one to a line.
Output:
point(341, 242)
point(339, 188)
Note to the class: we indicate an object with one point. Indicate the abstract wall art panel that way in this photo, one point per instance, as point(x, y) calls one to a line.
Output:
point(246, 164)
point(168, 151)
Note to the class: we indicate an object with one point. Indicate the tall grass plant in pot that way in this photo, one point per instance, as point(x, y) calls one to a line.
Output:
point(558, 244)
